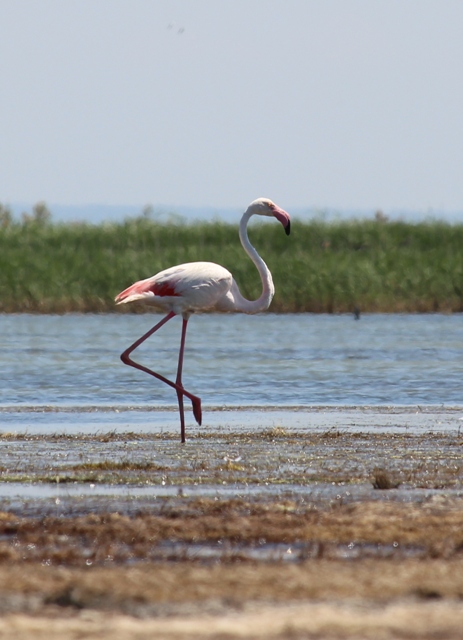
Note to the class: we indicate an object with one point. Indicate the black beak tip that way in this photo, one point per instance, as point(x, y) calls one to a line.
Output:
point(288, 228)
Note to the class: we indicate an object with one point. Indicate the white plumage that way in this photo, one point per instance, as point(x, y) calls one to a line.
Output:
point(185, 288)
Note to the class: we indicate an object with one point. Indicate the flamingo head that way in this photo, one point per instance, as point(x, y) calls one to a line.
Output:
point(265, 207)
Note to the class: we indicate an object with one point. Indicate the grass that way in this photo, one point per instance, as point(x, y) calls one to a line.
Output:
point(370, 265)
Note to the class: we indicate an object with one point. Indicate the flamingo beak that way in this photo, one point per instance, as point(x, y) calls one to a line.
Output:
point(282, 216)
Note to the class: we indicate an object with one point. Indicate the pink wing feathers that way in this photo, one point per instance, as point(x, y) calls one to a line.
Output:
point(146, 289)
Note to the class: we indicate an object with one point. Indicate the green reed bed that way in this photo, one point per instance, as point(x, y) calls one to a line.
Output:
point(321, 267)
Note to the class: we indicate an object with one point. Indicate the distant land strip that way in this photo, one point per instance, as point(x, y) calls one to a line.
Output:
point(351, 266)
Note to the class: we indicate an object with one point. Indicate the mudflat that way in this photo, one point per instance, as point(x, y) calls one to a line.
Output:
point(272, 534)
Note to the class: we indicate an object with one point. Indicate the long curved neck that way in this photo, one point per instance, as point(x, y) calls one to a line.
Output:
point(263, 302)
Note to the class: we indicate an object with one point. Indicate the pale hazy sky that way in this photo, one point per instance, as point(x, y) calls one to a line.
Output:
point(326, 103)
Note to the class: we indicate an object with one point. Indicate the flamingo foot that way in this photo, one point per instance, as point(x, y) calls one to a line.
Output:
point(196, 402)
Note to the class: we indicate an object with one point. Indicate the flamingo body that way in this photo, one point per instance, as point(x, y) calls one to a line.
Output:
point(201, 286)
point(189, 287)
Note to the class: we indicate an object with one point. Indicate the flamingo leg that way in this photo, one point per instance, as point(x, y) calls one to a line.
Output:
point(178, 380)
point(196, 402)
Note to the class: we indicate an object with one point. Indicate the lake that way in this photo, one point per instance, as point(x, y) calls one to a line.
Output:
point(71, 362)
point(388, 387)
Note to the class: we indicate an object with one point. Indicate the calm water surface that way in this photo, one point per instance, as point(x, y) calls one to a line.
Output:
point(234, 360)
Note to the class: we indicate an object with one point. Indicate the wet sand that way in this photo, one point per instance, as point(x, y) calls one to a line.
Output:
point(347, 529)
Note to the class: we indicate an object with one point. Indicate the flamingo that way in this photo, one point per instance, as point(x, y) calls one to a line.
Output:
point(201, 286)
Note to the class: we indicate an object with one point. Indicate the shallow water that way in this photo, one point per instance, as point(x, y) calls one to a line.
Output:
point(234, 360)
point(62, 374)
point(382, 393)
point(139, 496)
point(71, 419)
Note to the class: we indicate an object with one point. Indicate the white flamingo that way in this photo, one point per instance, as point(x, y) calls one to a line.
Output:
point(201, 286)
